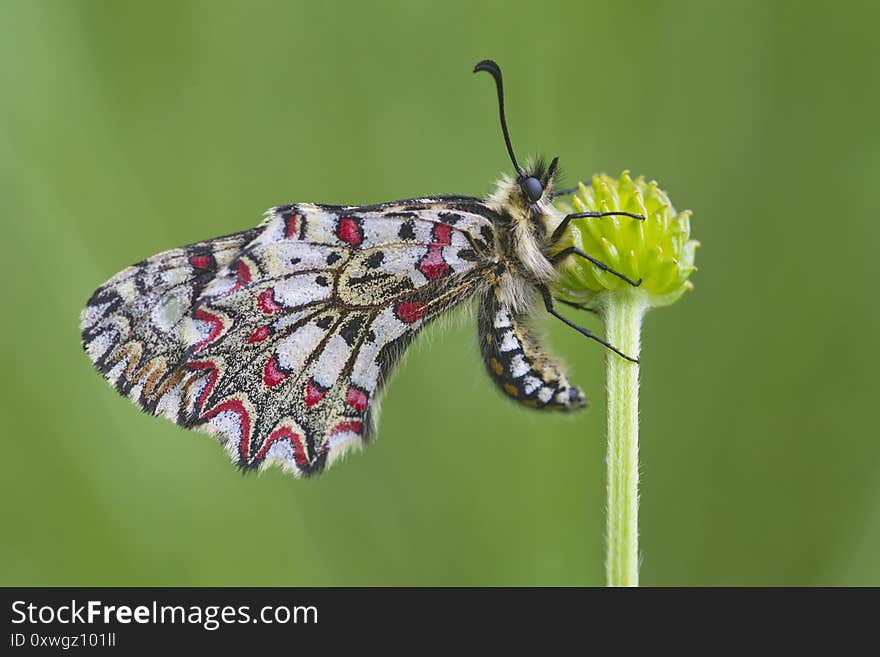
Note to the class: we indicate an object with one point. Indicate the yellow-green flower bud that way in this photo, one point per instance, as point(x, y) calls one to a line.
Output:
point(658, 250)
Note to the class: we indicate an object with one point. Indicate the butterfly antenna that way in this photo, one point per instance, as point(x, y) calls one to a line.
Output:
point(495, 71)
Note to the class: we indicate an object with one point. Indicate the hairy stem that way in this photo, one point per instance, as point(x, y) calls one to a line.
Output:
point(623, 312)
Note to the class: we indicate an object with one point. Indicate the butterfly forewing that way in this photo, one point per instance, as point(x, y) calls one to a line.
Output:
point(279, 339)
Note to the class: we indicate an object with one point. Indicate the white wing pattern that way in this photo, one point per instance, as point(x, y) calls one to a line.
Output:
point(280, 338)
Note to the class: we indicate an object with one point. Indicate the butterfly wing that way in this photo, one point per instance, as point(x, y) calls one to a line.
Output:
point(282, 343)
point(133, 326)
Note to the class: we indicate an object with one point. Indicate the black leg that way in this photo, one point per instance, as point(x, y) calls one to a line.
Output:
point(601, 265)
point(578, 215)
point(579, 306)
point(548, 304)
point(566, 191)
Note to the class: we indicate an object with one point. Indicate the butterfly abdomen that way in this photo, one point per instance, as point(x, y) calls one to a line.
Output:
point(516, 361)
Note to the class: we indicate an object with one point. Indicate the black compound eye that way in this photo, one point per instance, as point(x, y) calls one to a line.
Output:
point(533, 188)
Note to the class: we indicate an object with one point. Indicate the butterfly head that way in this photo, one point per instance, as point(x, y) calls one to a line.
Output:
point(534, 183)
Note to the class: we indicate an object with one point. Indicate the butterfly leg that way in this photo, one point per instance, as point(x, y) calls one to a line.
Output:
point(548, 304)
point(566, 191)
point(579, 306)
point(601, 265)
point(560, 229)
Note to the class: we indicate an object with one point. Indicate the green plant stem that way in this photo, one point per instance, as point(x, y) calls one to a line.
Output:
point(623, 312)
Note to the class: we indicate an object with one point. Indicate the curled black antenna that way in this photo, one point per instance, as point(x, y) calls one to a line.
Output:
point(495, 71)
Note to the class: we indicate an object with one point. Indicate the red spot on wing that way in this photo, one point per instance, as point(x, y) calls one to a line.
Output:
point(259, 335)
point(357, 399)
point(350, 231)
point(266, 301)
point(291, 226)
point(285, 433)
point(243, 272)
point(432, 264)
point(215, 323)
point(314, 393)
point(242, 276)
point(212, 374)
point(410, 312)
point(201, 261)
point(443, 234)
point(237, 407)
point(342, 427)
point(272, 376)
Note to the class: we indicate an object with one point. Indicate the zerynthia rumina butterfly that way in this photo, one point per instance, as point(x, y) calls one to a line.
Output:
point(280, 338)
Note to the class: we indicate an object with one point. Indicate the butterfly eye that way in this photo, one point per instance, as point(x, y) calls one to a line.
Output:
point(533, 188)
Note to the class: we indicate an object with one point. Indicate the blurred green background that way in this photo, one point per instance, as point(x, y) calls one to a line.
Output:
point(128, 128)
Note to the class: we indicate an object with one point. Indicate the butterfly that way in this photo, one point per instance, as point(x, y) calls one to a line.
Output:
point(279, 339)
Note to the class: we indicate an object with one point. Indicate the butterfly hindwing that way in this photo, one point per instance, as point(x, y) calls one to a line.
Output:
point(133, 326)
point(282, 347)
